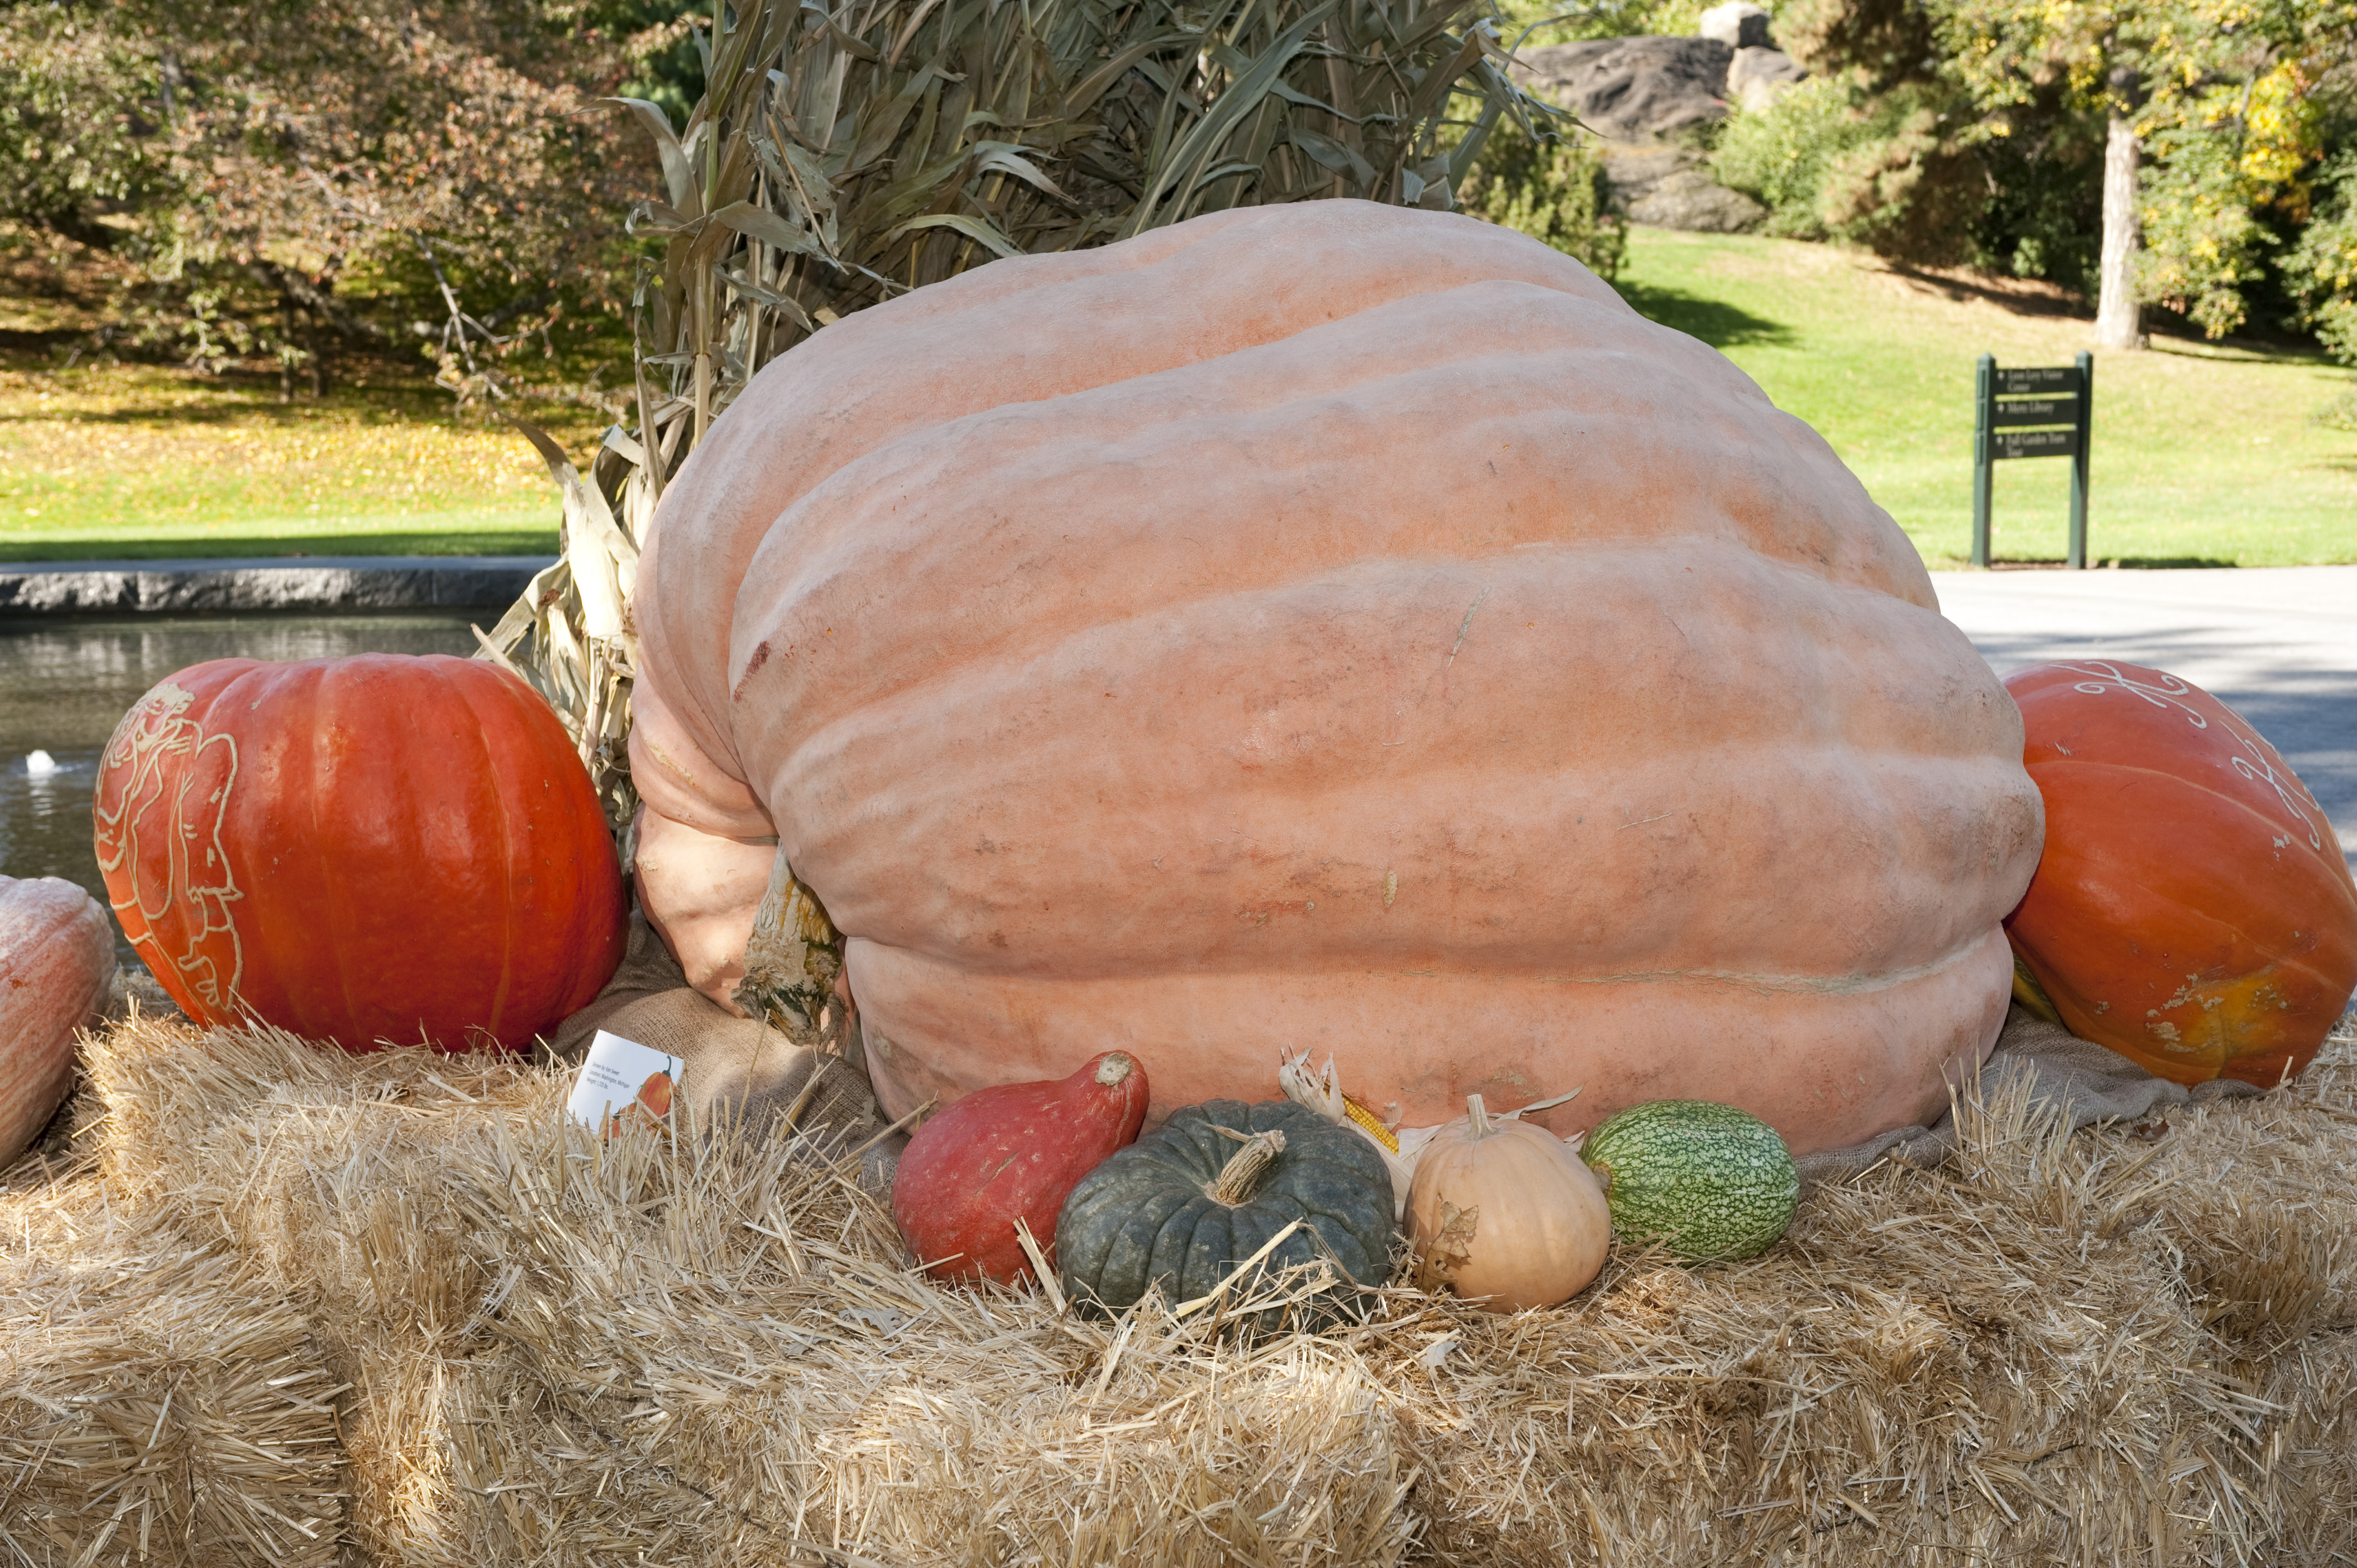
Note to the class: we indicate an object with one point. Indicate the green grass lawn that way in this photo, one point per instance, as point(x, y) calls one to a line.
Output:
point(146, 462)
point(2204, 453)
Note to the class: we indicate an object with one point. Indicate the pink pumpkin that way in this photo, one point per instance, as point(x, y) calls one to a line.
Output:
point(1330, 626)
point(57, 960)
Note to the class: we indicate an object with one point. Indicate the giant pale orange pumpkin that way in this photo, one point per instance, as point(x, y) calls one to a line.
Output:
point(2194, 910)
point(1338, 627)
point(366, 848)
point(57, 960)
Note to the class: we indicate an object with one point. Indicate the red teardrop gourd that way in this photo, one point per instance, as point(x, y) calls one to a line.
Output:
point(364, 850)
point(1417, 657)
point(2193, 910)
point(57, 959)
point(1013, 1151)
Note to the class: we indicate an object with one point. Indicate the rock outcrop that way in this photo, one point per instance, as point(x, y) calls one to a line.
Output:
point(1646, 96)
point(1755, 76)
point(1637, 91)
point(1739, 23)
point(1689, 198)
point(1666, 187)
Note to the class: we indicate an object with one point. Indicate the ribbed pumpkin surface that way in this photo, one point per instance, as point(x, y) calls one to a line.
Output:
point(361, 850)
point(1145, 1218)
point(57, 959)
point(1336, 627)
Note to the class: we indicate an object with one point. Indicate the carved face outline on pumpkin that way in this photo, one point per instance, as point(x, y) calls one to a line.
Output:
point(162, 774)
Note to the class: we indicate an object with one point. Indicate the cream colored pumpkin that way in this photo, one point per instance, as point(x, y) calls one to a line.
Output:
point(1505, 1211)
point(1338, 627)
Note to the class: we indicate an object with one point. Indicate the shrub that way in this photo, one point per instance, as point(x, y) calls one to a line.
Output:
point(2320, 273)
point(285, 181)
point(2320, 270)
point(2044, 218)
point(1911, 193)
point(1833, 162)
point(1781, 154)
point(1551, 188)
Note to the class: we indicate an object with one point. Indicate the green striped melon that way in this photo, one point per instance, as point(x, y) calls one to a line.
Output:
point(1707, 1180)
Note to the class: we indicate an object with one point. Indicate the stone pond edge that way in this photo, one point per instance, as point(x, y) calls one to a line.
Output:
point(318, 585)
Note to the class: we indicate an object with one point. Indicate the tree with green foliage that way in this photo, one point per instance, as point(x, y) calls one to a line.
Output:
point(2188, 153)
point(2228, 106)
point(2100, 56)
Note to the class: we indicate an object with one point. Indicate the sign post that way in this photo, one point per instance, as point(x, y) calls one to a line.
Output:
point(2032, 412)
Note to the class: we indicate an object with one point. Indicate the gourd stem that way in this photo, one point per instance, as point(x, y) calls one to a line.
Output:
point(1241, 1173)
point(1478, 1116)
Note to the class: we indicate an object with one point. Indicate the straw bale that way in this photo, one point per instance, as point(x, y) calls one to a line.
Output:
point(2133, 1344)
point(2313, 1451)
point(153, 1404)
point(1927, 1368)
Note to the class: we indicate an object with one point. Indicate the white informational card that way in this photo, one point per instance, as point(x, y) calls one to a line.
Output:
point(623, 1082)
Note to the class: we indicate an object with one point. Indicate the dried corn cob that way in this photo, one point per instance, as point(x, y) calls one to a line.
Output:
point(1307, 1086)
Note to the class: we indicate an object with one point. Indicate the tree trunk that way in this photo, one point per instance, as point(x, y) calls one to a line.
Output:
point(2119, 321)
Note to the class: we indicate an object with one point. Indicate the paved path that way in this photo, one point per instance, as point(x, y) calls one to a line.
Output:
point(2279, 644)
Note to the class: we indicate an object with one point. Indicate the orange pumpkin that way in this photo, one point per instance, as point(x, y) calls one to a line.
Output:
point(1332, 626)
point(364, 850)
point(2193, 910)
point(57, 959)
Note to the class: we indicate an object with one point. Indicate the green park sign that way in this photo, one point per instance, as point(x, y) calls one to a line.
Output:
point(2045, 411)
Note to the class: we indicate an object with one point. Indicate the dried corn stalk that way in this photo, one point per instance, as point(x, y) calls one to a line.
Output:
point(843, 156)
point(570, 637)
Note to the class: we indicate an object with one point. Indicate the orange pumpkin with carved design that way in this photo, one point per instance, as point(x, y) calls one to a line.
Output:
point(2192, 910)
point(365, 850)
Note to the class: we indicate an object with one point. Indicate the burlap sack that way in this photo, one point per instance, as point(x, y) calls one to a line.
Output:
point(2087, 1082)
point(735, 1067)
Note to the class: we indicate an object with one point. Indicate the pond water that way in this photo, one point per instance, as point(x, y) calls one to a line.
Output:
point(64, 683)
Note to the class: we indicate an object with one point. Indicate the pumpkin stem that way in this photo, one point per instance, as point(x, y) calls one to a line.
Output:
point(1478, 1116)
point(1241, 1173)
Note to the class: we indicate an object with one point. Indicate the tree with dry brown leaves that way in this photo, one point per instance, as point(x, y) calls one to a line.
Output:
point(280, 181)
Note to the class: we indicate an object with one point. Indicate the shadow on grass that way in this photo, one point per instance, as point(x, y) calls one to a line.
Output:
point(227, 401)
point(489, 542)
point(367, 392)
point(2019, 296)
point(1715, 322)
